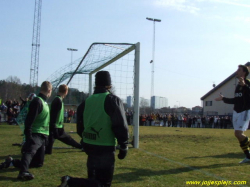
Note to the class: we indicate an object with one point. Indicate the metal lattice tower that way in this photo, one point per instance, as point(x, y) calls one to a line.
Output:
point(34, 65)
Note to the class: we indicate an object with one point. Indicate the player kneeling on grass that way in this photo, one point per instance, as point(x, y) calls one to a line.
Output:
point(36, 131)
point(241, 114)
point(100, 120)
point(56, 122)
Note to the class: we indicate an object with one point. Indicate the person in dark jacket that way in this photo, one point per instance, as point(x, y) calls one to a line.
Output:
point(56, 122)
point(241, 114)
point(101, 120)
point(36, 131)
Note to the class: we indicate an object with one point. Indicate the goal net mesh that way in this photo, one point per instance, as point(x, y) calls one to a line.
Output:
point(117, 58)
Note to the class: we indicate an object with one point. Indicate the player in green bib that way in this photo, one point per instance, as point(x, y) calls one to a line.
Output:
point(56, 122)
point(36, 131)
point(101, 122)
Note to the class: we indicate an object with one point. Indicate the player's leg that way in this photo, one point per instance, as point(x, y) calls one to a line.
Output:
point(38, 159)
point(101, 168)
point(67, 139)
point(68, 181)
point(29, 149)
point(49, 145)
point(7, 163)
point(240, 123)
point(244, 144)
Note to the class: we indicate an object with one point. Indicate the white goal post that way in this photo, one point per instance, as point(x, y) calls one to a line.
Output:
point(136, 103)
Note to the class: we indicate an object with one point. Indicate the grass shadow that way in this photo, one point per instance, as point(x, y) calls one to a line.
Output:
point(136, 174)
point(7, 170)
point(13, 179)
point(227, 155)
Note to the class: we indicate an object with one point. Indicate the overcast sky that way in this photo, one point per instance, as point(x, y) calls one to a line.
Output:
point(198, 42)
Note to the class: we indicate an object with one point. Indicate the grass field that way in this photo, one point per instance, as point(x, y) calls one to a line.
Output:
point(167, 157)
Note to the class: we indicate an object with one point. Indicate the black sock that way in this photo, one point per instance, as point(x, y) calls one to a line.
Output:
point(245, 147)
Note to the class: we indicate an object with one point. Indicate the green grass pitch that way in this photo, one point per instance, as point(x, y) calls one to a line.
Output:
point(167, 157)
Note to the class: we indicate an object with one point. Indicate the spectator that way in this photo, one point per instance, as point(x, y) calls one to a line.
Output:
point(65, 116)
point(169, 120)
point(198, 122)
point(164, 120)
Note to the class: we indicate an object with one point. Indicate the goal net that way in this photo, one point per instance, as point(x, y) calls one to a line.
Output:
point(122, 62)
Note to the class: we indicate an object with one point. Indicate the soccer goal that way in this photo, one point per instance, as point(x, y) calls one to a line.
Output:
point(122, 60)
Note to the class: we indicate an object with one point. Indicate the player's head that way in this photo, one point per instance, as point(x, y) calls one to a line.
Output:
point(63, 90)
point(242, 71)
point(103, 79)
point(46, 88)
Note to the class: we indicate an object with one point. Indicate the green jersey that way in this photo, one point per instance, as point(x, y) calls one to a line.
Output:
point(41, 123)
point(60, 117)
point(97, 123)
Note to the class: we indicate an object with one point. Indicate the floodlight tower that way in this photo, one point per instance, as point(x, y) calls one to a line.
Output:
point(34, 65)
point(70, 49)
point(153, 56)
point(71, 68)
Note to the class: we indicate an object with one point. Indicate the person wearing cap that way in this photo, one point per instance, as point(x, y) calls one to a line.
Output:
point(101, 121)
point(56, 122)
point(241, 113)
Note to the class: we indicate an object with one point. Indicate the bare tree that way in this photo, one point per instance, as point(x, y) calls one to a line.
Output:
point(11, 88)
point(14, 80)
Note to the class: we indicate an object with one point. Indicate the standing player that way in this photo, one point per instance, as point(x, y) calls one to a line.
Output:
point(241, 114)
point(100, 120)
point(56, 122)
point(36, 131)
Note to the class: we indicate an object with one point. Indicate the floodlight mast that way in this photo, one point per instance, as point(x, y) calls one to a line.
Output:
point(72, 50)
point(34, 65)
point(153, 56)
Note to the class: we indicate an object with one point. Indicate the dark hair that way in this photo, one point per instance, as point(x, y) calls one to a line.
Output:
point(245, 69)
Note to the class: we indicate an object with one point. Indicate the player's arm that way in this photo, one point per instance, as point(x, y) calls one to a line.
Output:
point(56, 107)
point(79, 119)
point(228, 100)
point(115, 109)
point(225, 100)
point(35, 108)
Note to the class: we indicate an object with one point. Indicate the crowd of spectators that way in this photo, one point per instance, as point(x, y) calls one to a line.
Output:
point(69, 116)
point(10, 109)
point(182, 120)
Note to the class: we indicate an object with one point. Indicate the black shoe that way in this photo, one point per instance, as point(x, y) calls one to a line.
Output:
point(25, 176)
point(6, 163)
point(64, 181)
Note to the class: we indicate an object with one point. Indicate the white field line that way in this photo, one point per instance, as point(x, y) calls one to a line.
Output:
point(187, 166)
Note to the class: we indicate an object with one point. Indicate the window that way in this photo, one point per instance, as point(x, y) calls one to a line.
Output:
point(209, 103)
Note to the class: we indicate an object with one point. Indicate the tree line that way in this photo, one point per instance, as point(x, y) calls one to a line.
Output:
point(12, 89)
